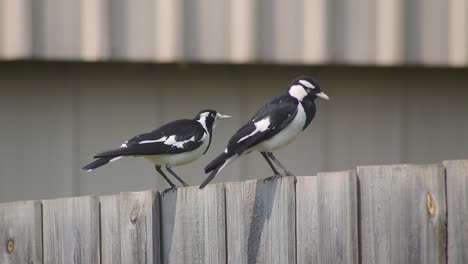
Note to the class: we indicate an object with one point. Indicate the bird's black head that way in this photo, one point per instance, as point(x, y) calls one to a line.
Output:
point(208, 119)
point(305, 86)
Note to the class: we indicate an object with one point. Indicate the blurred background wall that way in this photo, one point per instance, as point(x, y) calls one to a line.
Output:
point(78, 77)
point(376, 32)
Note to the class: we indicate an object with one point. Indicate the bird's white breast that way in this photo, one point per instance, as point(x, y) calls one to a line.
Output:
point(181, 158)
point(287, 135)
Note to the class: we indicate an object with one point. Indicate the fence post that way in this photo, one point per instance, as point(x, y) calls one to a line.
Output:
point(71, 230)
point(20, 232)
point(140, 227)
point(403, 214)
point(327, 215)
point(457, 208)
point(261, 221)
point(194, 224)
point(110, 229)
point(307, 224)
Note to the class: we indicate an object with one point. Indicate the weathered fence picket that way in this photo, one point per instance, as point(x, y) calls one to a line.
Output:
point(327, 218)
point(193, 225)
point(457, 210)
point(307, 239)
point(337, 215)
point(377, 214)
point(139, 227)
point(110, 229)
point(403, 214)
point(71, 230)
point(261, 221)
point(20, 232)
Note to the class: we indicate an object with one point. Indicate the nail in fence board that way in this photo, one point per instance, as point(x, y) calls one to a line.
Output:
point(457, 208)
point(307, 223)
point(403, 214)
point(71, 230)
point(261, 221)
point(20, 232)
point(110, 229)
point(140, 227)
point(194, 225)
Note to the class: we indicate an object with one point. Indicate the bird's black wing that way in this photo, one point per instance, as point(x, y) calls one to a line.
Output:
point(176, 137)
point(278, 113)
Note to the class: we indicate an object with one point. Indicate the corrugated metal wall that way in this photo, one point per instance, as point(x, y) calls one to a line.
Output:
point(382, 32)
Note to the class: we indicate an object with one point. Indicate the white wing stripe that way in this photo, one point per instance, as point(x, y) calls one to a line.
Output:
point(153, 141)
point(180, 144)
point(116, 158)
point(260, 126)
point(170, 141)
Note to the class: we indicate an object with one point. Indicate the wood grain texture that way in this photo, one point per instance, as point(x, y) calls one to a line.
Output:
point(110, 229)
point(457, 210)
point(20, 223)
point(261, 221)
point(194, 225)
point(327, 218)
point(140, 227)
point(396, 223)
point(337, 217)
point(307, 223)
point(71, 230)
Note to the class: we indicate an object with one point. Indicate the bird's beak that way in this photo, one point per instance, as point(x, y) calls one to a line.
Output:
point(223, 116)
point(323, 96)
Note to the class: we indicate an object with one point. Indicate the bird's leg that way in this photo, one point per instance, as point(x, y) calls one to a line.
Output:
point(168, 168)
point(275, 171)
point(275, 160)
point(173, 187)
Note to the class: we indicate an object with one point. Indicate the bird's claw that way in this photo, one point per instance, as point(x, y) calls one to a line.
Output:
point(288, 173)
point(272, 178)
point(173, 189)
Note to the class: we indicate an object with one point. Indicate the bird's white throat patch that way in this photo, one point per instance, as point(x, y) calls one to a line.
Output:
point(260, 126)
point(298, 92)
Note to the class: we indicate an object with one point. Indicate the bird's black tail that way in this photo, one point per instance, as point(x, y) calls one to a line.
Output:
point(99, 162)
point(215, 166)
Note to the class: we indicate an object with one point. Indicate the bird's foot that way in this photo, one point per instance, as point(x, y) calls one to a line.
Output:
point(272, 177)
point(172, 188)
point(288, 173)
point(185, 184)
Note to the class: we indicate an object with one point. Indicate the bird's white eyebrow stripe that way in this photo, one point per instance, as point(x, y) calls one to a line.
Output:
point(260, 126)
point(307, 84)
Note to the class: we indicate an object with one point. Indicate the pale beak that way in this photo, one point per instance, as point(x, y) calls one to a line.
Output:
point(323, 96)
point(223, 116)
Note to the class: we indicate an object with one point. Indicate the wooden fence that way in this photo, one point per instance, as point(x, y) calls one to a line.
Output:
point(375, 214)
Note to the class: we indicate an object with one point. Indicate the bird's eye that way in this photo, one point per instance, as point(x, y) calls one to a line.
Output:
point(212, 115)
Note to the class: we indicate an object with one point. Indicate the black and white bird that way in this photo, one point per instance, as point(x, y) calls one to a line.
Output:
point(173, 144)
point(275, 125)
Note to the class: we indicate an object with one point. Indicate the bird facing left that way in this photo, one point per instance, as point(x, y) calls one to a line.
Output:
point(176, 143)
